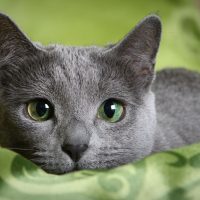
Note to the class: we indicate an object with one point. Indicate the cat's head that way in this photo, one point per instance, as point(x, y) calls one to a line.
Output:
point(70, 108)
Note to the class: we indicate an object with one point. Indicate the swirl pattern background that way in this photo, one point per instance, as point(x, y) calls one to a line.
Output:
point(168, 175)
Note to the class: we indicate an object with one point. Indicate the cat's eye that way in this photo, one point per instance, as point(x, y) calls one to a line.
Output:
point(40, 110)
point(111, 110)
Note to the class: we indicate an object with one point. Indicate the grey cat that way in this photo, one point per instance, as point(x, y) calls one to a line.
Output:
point(68, 108)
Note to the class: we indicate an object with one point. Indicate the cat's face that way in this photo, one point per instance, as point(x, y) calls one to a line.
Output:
point(68, 108)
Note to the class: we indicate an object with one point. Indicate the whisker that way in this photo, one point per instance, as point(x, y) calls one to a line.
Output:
point(38, 160)
point(113, 153)
point(114, 148)
point(43, 154)
point(21, 149)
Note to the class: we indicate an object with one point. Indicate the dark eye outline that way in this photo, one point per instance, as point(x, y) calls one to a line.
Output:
point(51, 112)
point(123, 104)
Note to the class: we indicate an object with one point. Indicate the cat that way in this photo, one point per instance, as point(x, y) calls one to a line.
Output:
point(68, 108)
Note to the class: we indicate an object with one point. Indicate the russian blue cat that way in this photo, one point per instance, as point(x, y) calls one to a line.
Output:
point(68, 108)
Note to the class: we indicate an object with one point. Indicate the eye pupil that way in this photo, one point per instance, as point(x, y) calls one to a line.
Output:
point(109, 108)
point(41, 108)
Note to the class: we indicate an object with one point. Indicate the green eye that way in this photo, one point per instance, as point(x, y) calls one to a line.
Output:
point(40, 110)
point(111, 110)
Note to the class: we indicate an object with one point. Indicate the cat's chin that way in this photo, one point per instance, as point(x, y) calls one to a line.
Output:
point(59, 170)
point(99, 165)
point(73, 167)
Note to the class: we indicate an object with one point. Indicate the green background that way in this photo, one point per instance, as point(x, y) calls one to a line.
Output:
point(99, 22)
point(175, 174)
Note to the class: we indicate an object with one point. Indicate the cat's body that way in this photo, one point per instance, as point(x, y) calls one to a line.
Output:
point(69, 108)
point(177, 94)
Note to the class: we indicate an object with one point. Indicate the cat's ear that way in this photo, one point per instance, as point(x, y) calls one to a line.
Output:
point(13, 43)
point(143, 41)
point(138, 48)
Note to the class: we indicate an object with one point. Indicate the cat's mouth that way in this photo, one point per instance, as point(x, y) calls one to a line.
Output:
point(63, 162)
point(64, 166)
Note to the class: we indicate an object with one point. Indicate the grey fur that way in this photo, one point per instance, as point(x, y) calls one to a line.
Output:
point(76, 80)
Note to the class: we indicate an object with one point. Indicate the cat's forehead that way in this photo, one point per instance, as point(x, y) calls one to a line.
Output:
point(77, 62)
point(74, 71)
point(86, 69)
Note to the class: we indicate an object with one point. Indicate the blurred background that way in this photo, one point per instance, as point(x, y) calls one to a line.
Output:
point(92, 22)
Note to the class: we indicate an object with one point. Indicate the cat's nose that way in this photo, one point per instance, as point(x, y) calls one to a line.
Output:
point(75, 151)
